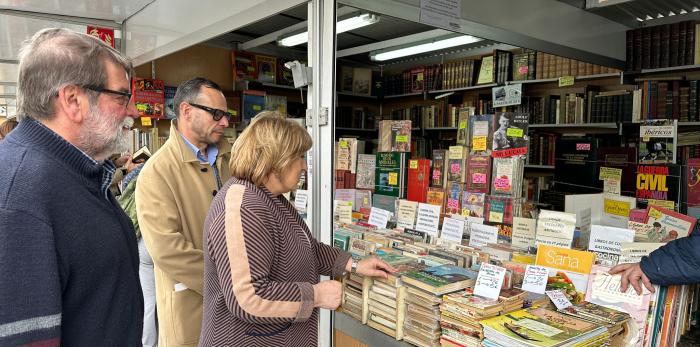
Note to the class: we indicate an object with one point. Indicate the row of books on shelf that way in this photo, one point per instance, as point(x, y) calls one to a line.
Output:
point(500, 67)
point(148, 138)
point(540, 280)
point(662, 46)
point(668, 99)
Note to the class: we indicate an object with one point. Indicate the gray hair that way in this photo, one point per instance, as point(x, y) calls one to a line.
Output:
point(54, 58)
point(189, 90)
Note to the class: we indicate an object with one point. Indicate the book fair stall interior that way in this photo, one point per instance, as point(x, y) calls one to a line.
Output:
point(502, 155)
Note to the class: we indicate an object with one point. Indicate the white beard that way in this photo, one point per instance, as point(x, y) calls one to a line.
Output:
point(102, 135)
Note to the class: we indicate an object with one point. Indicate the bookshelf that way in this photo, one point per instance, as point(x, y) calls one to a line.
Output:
point(539, 167)
point(357, 95)
point(481, 86)
point(280, 86)
point(402, 95)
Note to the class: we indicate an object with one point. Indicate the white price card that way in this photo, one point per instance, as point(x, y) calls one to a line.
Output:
point(301, 198)
point(559, 299)
point(535, 279)
point(452, 230)
point(379, 217)
point(344, 211)
point(428, 219)
point(489, 281)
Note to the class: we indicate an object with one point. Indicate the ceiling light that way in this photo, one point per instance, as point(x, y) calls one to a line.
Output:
point(342, 26)
point(424, 47)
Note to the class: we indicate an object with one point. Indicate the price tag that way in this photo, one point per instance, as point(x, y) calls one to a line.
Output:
point(428, 218)
point(559, 299)
point(300, 199)
point(618, 208)
point(610, 173)
point(455, 168)
point(654, 213)
point(466, 212)
point(436, 174)
point(452, 230)
point(406, 217)
point(413, 164)
point(463, 124)
point(670, 205)
point(393, 178)
point(611, 185)
point(489, 281)
point(514, 132)
point(565, 81)
point(479, 143)
point(479, 178)
point(257, 107)
point(495, 217)
point(402, 138)
point(453, 204)
point(379, 217)
point(502, 183)
point(419, 76)
point(343, 144)
point(146, 121)
point(344, 211)
point(535, 279)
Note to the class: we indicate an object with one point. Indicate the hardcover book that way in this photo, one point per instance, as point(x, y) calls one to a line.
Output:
point(418, 179)
point(658, 182)
point(478, 174)
point(266, 68)
point(473, 204)
point(438, 176)
point(657, 141)
point(576, 163)
point(453, 195)
point(390, 177)
point(362, 81)
point(440, 280)
point(366, 166)
point(481, 134)
point(436, 196)
point(244, 67)
point(457, 164)
point(510, 137)
point(395, 136)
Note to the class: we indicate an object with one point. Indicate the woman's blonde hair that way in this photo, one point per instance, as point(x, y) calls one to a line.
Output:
point(268, 145)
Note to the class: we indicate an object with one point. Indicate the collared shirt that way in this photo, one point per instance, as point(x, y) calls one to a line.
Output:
point(108, 167)
point(212, 152)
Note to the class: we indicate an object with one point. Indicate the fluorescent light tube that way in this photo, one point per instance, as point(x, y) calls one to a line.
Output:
point(342, 26)
point(425, 47)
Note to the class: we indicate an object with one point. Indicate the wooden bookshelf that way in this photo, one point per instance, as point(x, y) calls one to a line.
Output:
point(481, 86)
point(357, 95)
point(401, 95)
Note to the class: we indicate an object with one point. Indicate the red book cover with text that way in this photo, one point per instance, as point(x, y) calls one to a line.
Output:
point(149, 97)
point(418, 179)
point(478, 174)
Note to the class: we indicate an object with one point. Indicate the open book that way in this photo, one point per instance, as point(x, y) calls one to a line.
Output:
point(141, 155)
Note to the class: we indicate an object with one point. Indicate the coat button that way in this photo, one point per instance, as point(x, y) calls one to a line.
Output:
point(213, 193)
point(204, 169)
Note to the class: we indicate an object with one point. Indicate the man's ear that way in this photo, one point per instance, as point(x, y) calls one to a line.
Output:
point(72, 102)
point(185, 111)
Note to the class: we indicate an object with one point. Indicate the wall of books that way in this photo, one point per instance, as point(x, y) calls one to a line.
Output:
point(504, 221)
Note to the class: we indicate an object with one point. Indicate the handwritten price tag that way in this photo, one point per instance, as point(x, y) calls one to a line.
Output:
point(502, 183)
point(453, 204)
point(479, 178)
point(452, 230)
point(413, 164)
point(146, 121)
point(489, 281)
point(618, 208)
point(455, 168)
point(402, 138)
point(565, 81)
point(535, 279)
point(393, 178)
point(558, 299)
point(379, 217)
point(479, 143)
point(436, 174)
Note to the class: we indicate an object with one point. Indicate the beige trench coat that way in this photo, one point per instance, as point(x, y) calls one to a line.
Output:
point(173, 194)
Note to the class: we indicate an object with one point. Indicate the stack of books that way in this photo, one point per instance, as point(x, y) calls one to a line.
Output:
point(353, 296)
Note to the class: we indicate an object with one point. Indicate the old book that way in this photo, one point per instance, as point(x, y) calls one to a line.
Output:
point(481, 134)
point(457, 164)
point(366, 165)
point(436, 196)
point(463, 133)
point(440, 280)
point(438, 176)
point(418, 179)
point(394, 136)
point(390, 177)
point(486, 71)
point(266, 68)
point(473, 204)
point(658, 182)
point(657, 141)
point(510, 137)
point(362, 81)
point(244, 66)
point(478, 175)
point(453, 196)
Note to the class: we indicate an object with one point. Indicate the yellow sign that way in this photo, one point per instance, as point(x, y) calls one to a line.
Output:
point(463, 124)
point(523, 258)
point(655, 214)
point(466, 212)
point(257, 107)
point(393, 178)
point(343, 144)
point(565, 259)
point(455, 152)
point(419, 77)
point(402, 138)
point(565, 81)
point(413, 164)
point(495, 217)
point(479, 143)
point(146, 121)
point(610, 173)
point(514, 132)
point(618, 208)
point(670, 205)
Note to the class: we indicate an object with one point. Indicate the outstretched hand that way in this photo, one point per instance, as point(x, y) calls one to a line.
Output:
point(632, 274)
point(374, 267)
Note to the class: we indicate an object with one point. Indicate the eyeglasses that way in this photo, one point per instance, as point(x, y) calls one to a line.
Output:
point(126, 96)
point(215, 112)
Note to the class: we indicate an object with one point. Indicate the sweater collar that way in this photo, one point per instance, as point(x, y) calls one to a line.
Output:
point(33, 134)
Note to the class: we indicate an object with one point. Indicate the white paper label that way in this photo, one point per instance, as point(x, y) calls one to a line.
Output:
point(452, 230)
point(524, 232)
point(558, 299)
point(300, 199)
point(535, 279)
point(489, 282)
point(407, 214)
point(481, 235)
point(379, 217)
point(428, 219)
point(441, 13)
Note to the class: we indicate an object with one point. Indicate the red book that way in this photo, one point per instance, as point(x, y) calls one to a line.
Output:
point(340, 178)
point(478, 174)
point(693, 182)
point(149, 97)
point(418, 179)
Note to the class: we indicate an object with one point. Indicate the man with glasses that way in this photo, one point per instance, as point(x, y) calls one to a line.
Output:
point(68, 256)
point(173, 194)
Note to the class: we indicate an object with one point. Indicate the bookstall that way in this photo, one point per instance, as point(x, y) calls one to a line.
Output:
point(504, 155)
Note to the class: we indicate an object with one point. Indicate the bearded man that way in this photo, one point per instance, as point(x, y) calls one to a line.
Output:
point(68, 255)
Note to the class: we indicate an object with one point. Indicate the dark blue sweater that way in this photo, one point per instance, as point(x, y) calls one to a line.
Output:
point(68, 255)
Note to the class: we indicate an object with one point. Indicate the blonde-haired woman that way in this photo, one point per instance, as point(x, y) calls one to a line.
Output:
point(261, 263)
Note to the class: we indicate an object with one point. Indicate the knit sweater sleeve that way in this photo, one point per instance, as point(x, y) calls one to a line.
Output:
point(30, 289)
point(244, 265)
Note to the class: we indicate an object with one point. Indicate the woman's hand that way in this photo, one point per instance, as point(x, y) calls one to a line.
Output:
point(374, 267)
point(632, 274)
point(327, 294)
